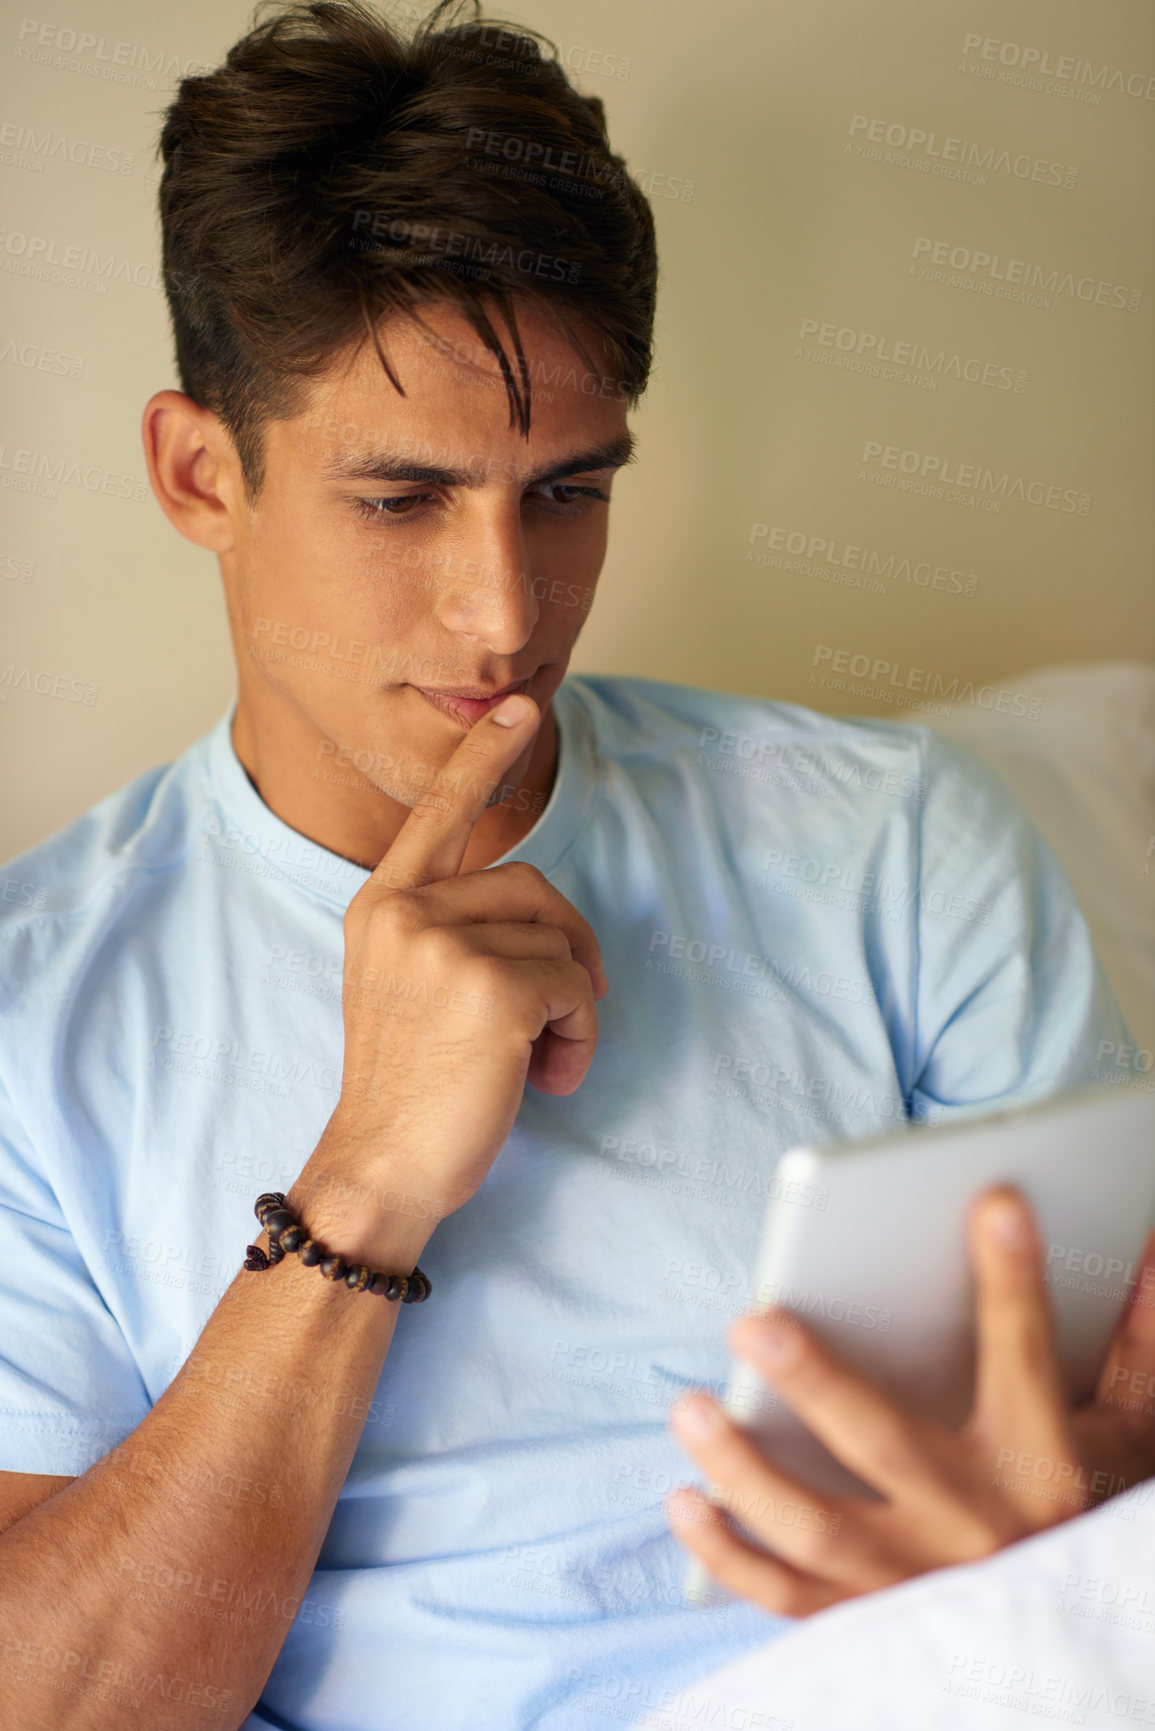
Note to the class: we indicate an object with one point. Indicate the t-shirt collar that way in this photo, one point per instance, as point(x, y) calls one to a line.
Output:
point(271, 848)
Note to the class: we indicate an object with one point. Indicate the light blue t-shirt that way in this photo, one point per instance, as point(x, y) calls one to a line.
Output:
point(812, 927)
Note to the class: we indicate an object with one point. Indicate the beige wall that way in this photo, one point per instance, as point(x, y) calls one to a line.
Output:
point(774, 208)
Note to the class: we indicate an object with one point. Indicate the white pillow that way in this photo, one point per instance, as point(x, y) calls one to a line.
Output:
point(1084, 771)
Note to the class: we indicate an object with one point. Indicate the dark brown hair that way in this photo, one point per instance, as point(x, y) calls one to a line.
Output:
point(307, 179)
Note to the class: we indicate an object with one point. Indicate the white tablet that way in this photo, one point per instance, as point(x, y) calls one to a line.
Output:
point(866, 1243)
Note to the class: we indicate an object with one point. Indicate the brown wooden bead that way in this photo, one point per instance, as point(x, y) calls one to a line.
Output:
point(332, 1267)
point(358, 1276)
point(311, 1252)
point(277, 1221)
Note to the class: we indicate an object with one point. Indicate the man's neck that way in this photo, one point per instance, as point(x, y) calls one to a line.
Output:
point(341, 811)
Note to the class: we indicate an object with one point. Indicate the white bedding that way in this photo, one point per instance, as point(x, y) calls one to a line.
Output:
point(1061, 1627)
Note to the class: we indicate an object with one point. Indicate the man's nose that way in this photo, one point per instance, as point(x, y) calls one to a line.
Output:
point(488, 594)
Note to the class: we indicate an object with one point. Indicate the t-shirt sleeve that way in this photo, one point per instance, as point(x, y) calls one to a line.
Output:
point(70, 1389)
point(1012, 1003)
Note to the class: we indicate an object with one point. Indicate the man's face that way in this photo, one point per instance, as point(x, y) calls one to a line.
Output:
point(410, 556)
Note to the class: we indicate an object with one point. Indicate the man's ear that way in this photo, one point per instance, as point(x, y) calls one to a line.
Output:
point(193, 469)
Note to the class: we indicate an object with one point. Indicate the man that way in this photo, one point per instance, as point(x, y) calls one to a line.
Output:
point(323, 952)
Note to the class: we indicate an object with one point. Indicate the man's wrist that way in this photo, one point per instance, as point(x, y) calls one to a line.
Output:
point(368, 1220)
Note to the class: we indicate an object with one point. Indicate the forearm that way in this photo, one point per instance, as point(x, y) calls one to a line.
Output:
point(184, 1554)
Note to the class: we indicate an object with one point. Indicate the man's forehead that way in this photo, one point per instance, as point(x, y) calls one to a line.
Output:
point(438, 334)
point(452, 425)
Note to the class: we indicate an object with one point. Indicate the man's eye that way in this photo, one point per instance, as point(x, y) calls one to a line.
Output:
point(394, 507)
point(578, 498)
point(564, 498)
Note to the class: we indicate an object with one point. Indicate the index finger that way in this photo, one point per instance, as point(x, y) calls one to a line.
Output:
point(431, 843)
point(1018, 1375)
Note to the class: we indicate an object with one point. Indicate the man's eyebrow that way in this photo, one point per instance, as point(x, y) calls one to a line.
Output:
point(399, 466)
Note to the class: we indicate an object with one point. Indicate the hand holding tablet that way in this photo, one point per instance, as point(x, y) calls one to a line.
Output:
point(955, 1348)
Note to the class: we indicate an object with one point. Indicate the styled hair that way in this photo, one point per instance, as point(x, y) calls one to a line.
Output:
point(332, 173)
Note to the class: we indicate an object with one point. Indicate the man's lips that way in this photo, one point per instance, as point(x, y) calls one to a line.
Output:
point(467, 705)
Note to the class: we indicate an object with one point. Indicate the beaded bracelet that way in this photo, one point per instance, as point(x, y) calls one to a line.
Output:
point(287, 1234)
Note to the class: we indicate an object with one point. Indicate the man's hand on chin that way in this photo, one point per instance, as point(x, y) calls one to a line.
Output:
point(1024, 1460)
